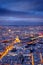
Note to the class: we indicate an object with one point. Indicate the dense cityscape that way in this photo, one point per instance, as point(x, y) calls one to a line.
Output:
point(21, 32)
point(21, 45)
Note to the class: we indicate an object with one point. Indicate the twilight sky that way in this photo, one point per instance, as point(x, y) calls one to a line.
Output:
point(12, 11)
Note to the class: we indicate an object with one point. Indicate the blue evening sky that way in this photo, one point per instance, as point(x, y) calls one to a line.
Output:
point(12, 11)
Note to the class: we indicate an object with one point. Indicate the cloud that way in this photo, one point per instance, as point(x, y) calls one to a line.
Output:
point(21, 10)
point(10, 19)
point(22, 5)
